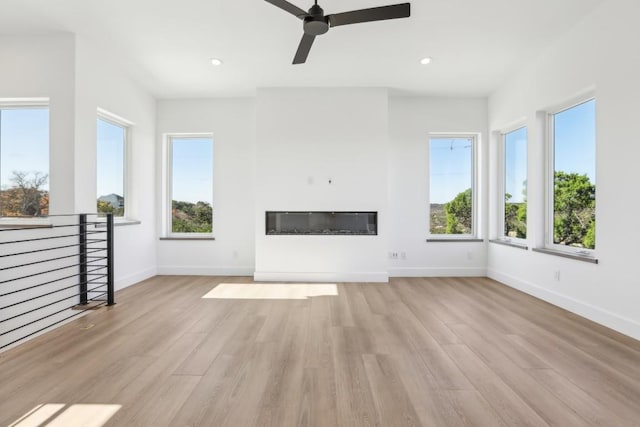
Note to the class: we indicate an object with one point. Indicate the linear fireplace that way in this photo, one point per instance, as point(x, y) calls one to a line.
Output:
point(322, 223)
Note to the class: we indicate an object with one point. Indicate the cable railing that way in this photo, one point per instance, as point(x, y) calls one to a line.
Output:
point(51, 273)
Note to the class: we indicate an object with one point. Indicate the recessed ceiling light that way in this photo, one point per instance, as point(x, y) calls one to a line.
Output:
point(427, 60)
point(216, 62)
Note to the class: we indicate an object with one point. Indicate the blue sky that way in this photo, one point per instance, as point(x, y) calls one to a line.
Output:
point(450, 161)
point(24, 135)
point(24, 146)
point(192, 166)
point(575, 140)
point(24, 143)
point(110, 158)
point(574, 131)
point(515, 164)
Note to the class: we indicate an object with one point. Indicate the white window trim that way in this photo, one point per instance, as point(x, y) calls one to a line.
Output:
point(502, 133)
point(549, 114)
point(27, 104)
point(167, 181)
point(475, 138)
point(107, 116)
point(15, 103)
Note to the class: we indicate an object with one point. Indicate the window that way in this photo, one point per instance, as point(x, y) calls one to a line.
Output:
point(451, 185)
point(111, 144)
point(571, 221)
point(514, 203)
point(190, 185)
point(24, 160)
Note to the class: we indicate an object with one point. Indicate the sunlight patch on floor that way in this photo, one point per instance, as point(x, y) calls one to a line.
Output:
point(271, 290)
point(78, 415)
point(38, 415)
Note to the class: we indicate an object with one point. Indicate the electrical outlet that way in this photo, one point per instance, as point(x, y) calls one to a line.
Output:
point(393, 255)
point(403, 255)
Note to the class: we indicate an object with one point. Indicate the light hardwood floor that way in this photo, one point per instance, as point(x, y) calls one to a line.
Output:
point(419, 351)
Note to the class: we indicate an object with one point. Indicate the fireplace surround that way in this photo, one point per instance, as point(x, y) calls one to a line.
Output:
point(321, 223)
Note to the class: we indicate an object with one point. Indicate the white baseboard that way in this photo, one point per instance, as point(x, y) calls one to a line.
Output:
point(611, 320)
point(204, 271)
point(275, 276)
point(131, 279)
point(437, 272)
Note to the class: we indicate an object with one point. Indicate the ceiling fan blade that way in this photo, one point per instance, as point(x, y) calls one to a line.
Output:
point(303, 48)
point(288, 7)
point(374, 14)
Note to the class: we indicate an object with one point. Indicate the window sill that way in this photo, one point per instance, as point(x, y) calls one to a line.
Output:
point(187, 238)
point(577, 257)
point(509, 243)
point(119, 222)
point(454, 240)
point(20, 223)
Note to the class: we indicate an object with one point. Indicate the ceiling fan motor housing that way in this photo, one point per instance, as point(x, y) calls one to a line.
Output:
point(315, 23)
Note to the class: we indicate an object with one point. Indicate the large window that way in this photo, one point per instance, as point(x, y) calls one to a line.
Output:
point(514, 207)
point(452, 185)
point(110, 166)
point(571, 221)
point(190, 185)
point(24, 160)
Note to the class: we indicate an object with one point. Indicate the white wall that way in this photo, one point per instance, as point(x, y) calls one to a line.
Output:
point(410, 122)
point(100, 83)
point(39, 67)
point(232, 123)
point(600, 52)
point(43, 66)
point(69, 71)
point(306, 137)
point(374, 149)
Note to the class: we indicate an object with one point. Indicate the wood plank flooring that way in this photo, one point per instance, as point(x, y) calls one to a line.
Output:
point(413, 352)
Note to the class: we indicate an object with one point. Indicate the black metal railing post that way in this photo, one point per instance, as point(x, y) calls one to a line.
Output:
point(83, 259)
point(46, 292)
point(110, 287)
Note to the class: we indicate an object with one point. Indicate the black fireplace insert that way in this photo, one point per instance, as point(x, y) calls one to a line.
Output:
point(325, 223)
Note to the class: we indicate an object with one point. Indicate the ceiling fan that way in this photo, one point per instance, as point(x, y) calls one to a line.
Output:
point(315, 22)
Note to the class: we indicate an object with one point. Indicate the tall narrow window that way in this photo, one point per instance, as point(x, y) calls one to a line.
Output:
point(110, 166)
point(572, 191)
point(451, 185)
point(24, 161)
point(191, 184)
point(515, 184)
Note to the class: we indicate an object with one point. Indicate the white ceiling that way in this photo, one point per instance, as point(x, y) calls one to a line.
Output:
point(167, 44)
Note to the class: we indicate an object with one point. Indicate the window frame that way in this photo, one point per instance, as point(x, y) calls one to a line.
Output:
point(502, 152)
point(168, 184)
point(28, 104)
point(549, 213)
point(126, 125)
point(475, 138)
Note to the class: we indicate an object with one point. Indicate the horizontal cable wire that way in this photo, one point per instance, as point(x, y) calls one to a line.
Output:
point(44, 306)
point(53, 324)
point(35, 321)
point(41, 250)
point(35, 239)
point(93, 281)
point(47, 260)
point(53, 281)
point(55, 269)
